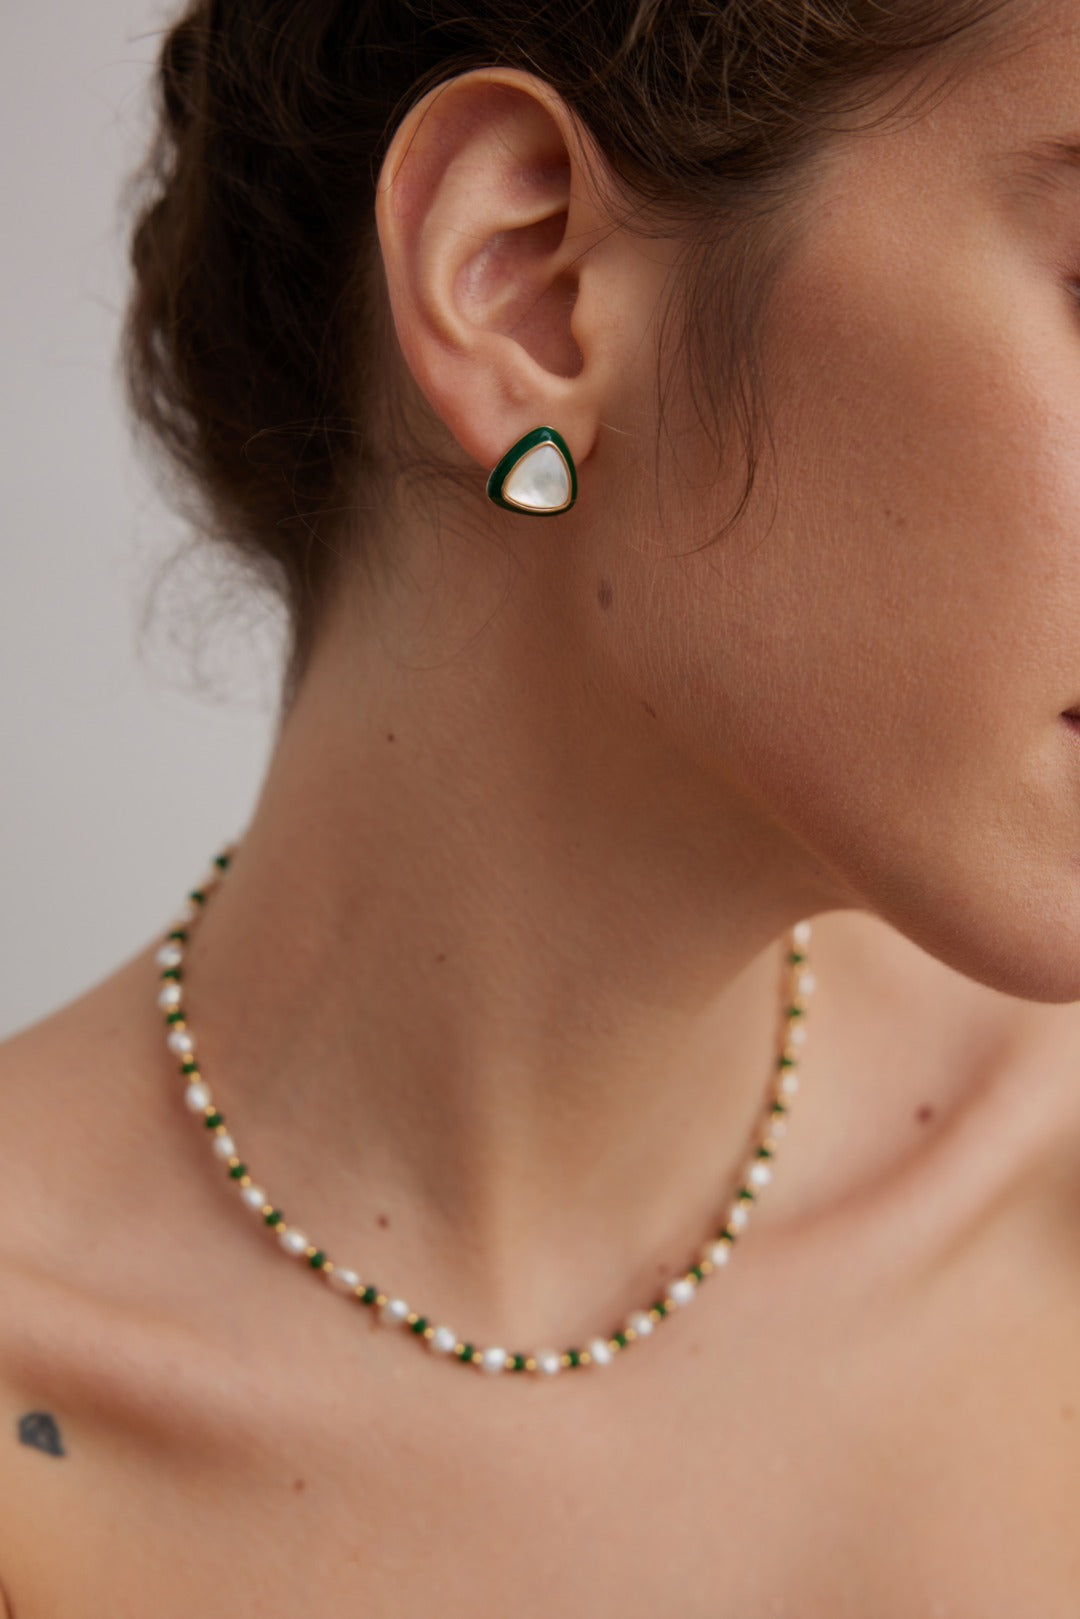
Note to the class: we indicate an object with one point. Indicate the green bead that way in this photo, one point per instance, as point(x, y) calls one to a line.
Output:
point(369, 1295)
point(198, 896)
point(785, 1062)
point(221, 861)
point(173, 973)
point(275, 1217)
point(764, 1152)
point(317, 1260)
point(726, 1235)
point(189, 1066)
point(174, 1017)
point(466, 1352)
point(419, 1324)
point(746, 1194)
point(517, 1363)
point(212, 1120)
point(660, 1307)
point(778, 1107)
point(796, 1011)
point(237, 1170)
point(621, 1339)
point(795, 957)
point(574, 1356)
point(179, 934)
point(697, 1273)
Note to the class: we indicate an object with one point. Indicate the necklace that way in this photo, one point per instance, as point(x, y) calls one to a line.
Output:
point(393, 1311)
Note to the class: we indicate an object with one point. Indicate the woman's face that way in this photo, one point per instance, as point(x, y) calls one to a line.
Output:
point(882, 651)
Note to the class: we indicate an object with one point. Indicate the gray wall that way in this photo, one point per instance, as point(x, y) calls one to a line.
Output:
point(125, 758)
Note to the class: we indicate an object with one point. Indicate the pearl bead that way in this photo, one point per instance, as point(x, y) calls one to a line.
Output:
point(180, 1041)
point(718, 1253)
point(548, 1361)
point(442, 1340)
point(789, 1085)
point(197, 1096)
point(169, 997)
point(600, 1352)
point(492, 1360)
point(170, 954)
point(293, 1241)
point(801, 933)
point(394, 1312)
point(797, 1034)
point(807, 983)
point(777, 1126)
point(681, 1291)
point(224, 1146)
point(253, 1196)
point(760, 1174)
point(188, 912)
point(738, 1215)
point(344, 1280)
point(642, 1323)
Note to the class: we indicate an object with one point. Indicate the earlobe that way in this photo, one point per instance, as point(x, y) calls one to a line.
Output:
point(483, 230)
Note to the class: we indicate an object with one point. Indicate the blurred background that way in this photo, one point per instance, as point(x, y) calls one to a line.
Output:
point(137, 678)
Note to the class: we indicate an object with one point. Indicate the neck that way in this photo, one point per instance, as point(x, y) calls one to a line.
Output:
point(492, 984)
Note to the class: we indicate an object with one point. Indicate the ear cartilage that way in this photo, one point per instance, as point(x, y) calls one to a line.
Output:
point(536, 475)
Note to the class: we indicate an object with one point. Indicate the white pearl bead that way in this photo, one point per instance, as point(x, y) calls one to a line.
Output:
point(801, 933)
point(681, 1291)
point(169, 997)
point(170, 954)
point(807, 983)
point(394, 1312)
point(600, 1352)
point(777, 1126)
point(442, 1340)
point(760, 1173)
point(738, 1215)
point(253, 1196)
point(718, 1253)
point(344, 1280)
point(188, 912)
point(789, 1084)
point(293, 1241)
point(642, 1323)
point(197, 1096)
point(224, 1146)
point(548, 1361)
point(492, 1360)
point(797, 1034)
point(180, 1041)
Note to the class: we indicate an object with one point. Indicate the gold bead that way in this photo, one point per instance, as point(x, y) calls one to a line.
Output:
point(309, 1250)
point(530, 1363)
point(585, 1358)
point(428, 1332)
point(268, 1208)
point(381, 1298)
point(411, 1317)
point(629, 1334)
point(564, 1358)
point(705, 1266)
point(244, 1180)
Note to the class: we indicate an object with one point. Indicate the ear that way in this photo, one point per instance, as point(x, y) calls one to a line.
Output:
point(506, 313)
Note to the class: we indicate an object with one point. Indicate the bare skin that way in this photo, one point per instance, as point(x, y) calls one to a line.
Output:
point(490, 993)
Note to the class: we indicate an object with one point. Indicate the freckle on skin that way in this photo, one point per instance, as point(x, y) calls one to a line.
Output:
point(390, 736)
point(604, 593)
point(925, 1113)
point(381, 1219)
point(441, 956)
point(298, 1483)
point(649, 709)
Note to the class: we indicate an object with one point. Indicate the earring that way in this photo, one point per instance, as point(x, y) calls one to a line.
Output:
point(536, 475)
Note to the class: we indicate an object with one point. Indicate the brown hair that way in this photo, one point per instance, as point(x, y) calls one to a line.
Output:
point(255, 336)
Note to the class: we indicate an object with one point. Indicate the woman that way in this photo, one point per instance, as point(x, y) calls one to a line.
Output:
point(495, 993)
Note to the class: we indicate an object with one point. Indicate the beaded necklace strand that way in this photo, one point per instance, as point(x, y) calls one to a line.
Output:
point(393, 1311)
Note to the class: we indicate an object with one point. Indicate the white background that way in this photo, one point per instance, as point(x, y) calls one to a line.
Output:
point(127, 755)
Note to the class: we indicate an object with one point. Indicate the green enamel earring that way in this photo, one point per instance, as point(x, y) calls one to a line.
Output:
point(536, 475)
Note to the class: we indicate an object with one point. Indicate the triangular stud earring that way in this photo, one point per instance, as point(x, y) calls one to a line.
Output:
point(536, 475)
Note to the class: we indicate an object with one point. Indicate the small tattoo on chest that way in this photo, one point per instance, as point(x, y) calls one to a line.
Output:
point(38, 1428)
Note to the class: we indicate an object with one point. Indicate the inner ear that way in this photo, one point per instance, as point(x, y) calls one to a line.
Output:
point(494, 289)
